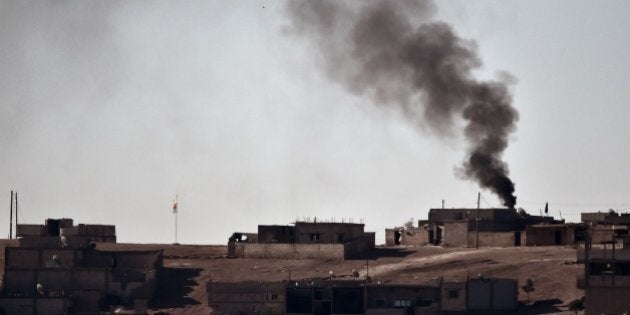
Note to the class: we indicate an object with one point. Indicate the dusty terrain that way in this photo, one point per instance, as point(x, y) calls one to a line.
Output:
point(189, 267)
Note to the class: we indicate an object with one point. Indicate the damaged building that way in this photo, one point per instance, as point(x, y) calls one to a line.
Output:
point(409, 235)
point(464, 227)
point(304, 240)
point(56, 269)
point(323, 296)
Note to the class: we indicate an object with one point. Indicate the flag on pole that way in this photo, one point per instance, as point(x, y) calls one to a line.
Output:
point(175, 204)
point(546, 208)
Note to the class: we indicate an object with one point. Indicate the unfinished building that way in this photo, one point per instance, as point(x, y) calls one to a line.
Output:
point(55, 269)
point(357, 296)
point(304, 240)
point(604, 226)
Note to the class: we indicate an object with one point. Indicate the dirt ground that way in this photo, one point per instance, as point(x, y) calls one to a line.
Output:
point(189, 267)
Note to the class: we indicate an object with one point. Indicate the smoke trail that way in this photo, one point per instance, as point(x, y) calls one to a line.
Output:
point(423, 69)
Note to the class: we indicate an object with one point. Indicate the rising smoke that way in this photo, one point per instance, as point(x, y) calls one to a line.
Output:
point(425, 69)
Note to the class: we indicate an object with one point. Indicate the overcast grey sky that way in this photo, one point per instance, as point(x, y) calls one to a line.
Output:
point(110, 108)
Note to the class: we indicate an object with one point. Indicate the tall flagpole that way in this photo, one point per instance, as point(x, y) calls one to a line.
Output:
point(175, 210)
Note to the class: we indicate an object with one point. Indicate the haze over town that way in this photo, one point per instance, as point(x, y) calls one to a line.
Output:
point(107, 111)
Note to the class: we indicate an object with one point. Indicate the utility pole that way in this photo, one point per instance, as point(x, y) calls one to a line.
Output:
point(442, 203)
point(176, 211)
point(11, 217)
point(477, 220)
point(16, 214)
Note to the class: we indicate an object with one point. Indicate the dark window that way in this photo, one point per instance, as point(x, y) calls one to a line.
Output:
point(274, 296)
point(314, 237)
point(340, 238)
point(299, 300)
point(402, 303)
point(453, 294)
point(348, 301)
point(601, 268)
point(318, 295)
point(379, 303)
point(623, 269)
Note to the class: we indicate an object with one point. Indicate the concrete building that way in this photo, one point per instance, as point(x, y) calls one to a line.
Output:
point(356, 296)
point(463, 227)
point(248, 297)
point(304, 240)
point(55, 269)
point(605, 226)
point(554, 234)
point(606, 278)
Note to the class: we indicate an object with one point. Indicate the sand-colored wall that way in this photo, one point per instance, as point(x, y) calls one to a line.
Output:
point(290, 251)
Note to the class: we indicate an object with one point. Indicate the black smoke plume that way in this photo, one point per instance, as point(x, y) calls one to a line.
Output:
point(374, 48)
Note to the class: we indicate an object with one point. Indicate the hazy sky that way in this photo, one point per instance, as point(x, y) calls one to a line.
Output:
point(110, 108)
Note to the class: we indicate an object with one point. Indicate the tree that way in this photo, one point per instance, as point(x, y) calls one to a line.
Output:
point(528, 287)
point(577, 305)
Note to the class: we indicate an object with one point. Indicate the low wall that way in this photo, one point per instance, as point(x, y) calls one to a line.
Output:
point(500, 239)
point(289, 251)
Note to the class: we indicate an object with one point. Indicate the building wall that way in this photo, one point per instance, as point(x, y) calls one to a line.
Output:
point(357, 247)
point(23, 230)
point(602, 233)
point(390, 237)
point(289, 251)
point(415, 237)
point(34, 306)
point(607, 300)
point(246, 297)
point(18, 306)
point(276, 234)
point(455, 234)
point(492, 294)
point(546, 235)
point(328, 232)
point(499, 239)
point(51, 306)
point(19, 281)
point(451, 303)
point(390, 293)
point(22, 258)
point(386, 311)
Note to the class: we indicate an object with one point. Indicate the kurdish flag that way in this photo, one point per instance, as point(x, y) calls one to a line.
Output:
point(175, 204)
